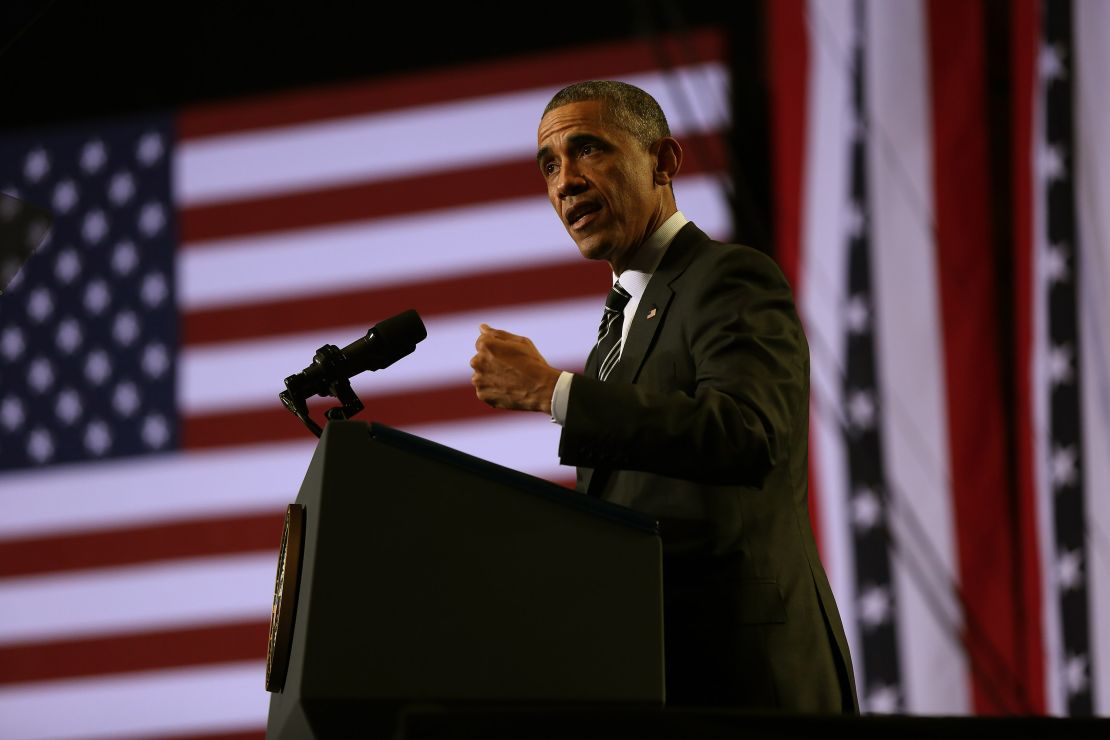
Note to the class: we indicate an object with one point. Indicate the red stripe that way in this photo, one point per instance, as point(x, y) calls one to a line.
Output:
point(424, 88)
point(575, 279)
point(1024, 39)
point(128, 545)
point(396, 197)
point(134, 652)
point(788, 52)
point(275, 424)
point(980, 478)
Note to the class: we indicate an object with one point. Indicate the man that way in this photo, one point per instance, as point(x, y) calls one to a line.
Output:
point(693, 408)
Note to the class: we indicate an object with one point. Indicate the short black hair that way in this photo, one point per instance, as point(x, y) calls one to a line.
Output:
point(626, 105)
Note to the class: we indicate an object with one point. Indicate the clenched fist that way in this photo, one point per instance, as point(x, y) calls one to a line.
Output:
point(510, 373)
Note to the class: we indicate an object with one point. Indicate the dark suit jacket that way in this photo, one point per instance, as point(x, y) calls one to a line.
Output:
point(704, 425)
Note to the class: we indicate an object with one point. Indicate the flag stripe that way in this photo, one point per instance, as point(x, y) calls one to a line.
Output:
point(911, 359)
point(141, 651)
point(209, 699)
point(498, 289)
point(397, 196)
point(789, 63)
point(128, 545)
point(83, 498)
point(160, 595)
point(976, 435)
point(444, 136)
point(364, 253)
point(823, 267)
point(617, 59)
point(1092, 116)
point(1023, 55)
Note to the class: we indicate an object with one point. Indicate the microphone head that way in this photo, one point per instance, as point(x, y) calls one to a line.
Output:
point(404, 329)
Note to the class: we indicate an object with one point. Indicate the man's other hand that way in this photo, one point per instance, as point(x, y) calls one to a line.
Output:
point(510, 373)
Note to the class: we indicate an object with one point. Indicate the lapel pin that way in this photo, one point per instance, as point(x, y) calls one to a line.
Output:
point(651, 313)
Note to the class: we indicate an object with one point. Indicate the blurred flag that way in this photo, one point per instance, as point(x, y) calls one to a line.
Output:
point(960, 498)
point(199, 258)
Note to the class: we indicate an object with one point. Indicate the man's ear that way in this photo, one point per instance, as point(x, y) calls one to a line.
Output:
point(668, 159)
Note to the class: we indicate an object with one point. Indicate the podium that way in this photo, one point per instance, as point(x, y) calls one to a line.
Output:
point(414, 575)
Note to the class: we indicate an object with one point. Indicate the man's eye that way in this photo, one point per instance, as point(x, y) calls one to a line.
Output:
point(588, 149)
point(549, 168)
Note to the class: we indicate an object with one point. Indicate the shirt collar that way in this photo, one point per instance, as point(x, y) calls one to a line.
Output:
point(635, 277)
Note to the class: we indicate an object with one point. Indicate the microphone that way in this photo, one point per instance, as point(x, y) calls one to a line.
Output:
point(385, 343)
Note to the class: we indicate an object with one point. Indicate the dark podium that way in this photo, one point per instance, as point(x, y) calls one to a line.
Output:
point(413, 575)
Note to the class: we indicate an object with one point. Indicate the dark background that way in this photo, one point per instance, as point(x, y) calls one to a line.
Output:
point(65, 61)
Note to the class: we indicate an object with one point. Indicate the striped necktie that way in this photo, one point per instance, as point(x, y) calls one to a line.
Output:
point(609, 333)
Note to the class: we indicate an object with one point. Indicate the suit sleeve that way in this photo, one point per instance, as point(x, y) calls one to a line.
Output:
point(737, 324)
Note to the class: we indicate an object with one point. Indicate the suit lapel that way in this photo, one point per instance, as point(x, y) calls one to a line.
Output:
point(654, 304)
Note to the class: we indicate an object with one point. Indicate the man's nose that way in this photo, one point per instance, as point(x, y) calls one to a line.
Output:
point(571, 181)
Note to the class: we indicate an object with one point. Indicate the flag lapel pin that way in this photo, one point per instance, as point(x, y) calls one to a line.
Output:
point(651, 313)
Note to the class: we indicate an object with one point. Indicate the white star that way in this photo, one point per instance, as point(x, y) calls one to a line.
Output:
point(69, 336)
point(68, 406)
point(1050, 162)
point(40, 374)
point(11, 343)
point(884, 700)
point(155, 360)
point(98, 438)
point(874, 607)
point(1063, 463)
point(861, 410)
point(97, 367)
point(95, 226)
point(857, 314)
point(96, 297)
point(121, 188)
point(125, 258)
point(65, 196)
point(40, 446)
point(1075, 674)
point(1050, 63)
point(152, 218)
point(1055, 264)
point(125, 399)
point(125, 328)
point(155, 431)
point(40, 304)
point(1059, 364)
point(154, 289)
point(11, 413)
point(856, 223)
point(36, 165)
point(67, 266)
point(866, 508)
point(149, 149)
point(1069, 569)
point(93, 156)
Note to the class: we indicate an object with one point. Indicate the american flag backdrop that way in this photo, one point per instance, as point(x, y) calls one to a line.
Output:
point(200, 256)
point(960, 417)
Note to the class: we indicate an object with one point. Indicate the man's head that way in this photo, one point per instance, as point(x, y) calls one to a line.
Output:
point(607, 156)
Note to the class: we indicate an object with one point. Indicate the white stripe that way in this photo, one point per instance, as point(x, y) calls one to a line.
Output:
point(823, 261)
point(518, 233)
point(1092, 44)
point(110, 601)
point(911, 354)
point(410, 141)
point(250, 374)
point(213, 699)
point(88, 497)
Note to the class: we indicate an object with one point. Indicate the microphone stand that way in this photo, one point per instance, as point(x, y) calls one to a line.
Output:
point(294, 397)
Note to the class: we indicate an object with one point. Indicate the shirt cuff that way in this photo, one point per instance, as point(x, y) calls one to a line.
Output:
point(559, 398)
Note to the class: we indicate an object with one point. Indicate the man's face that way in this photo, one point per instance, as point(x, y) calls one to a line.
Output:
point(600, 180)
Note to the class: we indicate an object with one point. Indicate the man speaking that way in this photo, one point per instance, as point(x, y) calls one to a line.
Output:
point(693, 408)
